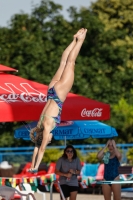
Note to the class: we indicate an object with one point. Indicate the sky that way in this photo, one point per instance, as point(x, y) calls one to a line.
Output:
point(10, 7)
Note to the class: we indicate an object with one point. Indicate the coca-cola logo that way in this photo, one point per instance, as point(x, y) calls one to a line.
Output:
point(25, 93)
point(96, 112)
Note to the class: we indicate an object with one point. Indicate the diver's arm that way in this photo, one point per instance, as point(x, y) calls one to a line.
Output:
point(42, 148)
point(34, 157)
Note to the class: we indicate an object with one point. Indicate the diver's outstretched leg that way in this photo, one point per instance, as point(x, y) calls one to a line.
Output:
point(60, 70)
point(63, 86)
point(63, 61)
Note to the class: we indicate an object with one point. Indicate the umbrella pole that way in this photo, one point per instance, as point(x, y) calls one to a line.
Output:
point(65, 141)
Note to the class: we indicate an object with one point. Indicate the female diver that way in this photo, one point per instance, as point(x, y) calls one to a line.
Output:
point(59, 87)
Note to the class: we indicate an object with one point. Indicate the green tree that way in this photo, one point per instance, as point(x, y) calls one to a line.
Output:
point(36, 41)
point(123, 120)
point(52, 155)
point(33, 44)
point(33, 41)
point(91, 158)
point(117, 15)
point(130, 156)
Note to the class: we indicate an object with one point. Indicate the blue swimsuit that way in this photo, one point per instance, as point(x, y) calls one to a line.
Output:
point(52, 95)
point(111, 169)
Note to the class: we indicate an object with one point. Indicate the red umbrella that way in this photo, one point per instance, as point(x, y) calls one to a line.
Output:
point(23, 100)
point(5, 68)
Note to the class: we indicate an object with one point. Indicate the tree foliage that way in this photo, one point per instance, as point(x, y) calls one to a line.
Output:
point(117, 15)
point(52, 155)
point(91, 158)
point(130, 156)
point(33, 44)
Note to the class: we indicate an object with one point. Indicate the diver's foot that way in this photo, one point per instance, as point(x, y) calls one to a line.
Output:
point(82, 35)
point(80, 31)
point(33, 170)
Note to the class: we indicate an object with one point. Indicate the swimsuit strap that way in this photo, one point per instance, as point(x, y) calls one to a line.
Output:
point(48, 116)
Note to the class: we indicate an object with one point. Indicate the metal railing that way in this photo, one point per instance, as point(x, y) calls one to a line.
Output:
point(27, 151)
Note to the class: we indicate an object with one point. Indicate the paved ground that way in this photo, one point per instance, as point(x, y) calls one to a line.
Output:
point(79, 197)
point(56, 196)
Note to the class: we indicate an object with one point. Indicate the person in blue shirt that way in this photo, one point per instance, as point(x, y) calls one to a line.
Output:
point(58, 89)
point(111, 159)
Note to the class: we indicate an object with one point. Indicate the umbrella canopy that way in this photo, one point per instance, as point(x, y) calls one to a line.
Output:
point(5, 68)
point(23, 100)
point(73, 130)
